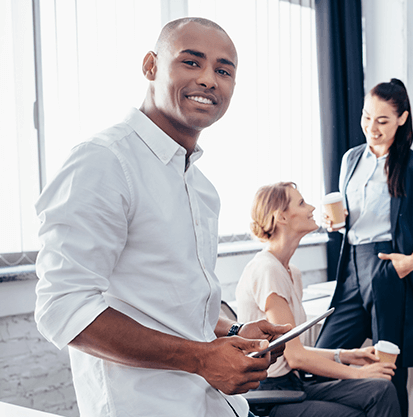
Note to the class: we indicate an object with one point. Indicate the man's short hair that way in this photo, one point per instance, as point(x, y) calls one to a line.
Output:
point(171, 26)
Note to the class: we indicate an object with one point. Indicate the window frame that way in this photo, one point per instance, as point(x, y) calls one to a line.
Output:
point(170, 9)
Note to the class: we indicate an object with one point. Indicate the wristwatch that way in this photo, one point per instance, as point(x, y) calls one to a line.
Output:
point(235, 328)
point(337, 355)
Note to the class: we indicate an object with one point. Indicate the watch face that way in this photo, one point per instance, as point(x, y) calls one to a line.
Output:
point(233, 331)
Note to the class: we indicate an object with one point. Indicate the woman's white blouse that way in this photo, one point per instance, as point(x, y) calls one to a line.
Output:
point(263, 276)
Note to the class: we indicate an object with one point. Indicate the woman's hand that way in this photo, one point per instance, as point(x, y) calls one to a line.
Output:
point(371, 367)
point(403, 264)
point(363, 356)
point(376, 370)
point(327, 223)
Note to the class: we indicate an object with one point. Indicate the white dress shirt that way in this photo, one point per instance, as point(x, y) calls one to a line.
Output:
point(124, 224)
point(368, 199)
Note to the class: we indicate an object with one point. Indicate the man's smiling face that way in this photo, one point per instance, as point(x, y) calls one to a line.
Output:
point(194, 79)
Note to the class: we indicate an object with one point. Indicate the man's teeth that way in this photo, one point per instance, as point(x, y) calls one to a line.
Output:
point(200, 99)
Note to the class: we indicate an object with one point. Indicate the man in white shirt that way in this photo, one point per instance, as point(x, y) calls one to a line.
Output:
point(129, 241)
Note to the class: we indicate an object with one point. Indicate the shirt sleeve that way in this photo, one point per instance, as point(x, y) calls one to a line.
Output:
point(268, 278)
point(84, 224)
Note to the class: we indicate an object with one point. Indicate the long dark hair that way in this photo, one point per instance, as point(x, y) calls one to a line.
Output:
point(395, 93)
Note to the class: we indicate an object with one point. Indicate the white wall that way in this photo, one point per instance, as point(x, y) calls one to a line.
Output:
point(389, 42)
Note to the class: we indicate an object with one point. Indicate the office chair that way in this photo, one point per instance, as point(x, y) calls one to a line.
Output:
point(261, 402)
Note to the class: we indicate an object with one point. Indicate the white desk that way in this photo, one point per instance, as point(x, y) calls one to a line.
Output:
point(10, 410)
point(316, 300)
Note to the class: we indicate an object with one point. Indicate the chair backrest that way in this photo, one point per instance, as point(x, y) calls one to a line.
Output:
point(228, 311)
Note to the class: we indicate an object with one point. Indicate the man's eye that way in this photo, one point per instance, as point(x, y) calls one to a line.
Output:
point(223, 72)
point(191, 63)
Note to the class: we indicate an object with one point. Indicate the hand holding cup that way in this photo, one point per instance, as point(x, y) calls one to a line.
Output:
point(334, 212)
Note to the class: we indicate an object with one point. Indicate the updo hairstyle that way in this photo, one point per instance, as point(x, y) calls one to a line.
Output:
point(268, 202)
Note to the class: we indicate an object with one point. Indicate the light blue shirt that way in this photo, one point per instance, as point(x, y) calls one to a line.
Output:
point(368, 199)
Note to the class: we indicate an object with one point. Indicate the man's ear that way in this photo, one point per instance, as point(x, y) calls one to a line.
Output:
point(149, 65)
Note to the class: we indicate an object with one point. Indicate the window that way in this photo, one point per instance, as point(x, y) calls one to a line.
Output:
point(19, 179)
point(91, 54)
point(271, 131)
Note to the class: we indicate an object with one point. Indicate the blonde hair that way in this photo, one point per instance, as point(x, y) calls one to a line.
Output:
point(268, 201)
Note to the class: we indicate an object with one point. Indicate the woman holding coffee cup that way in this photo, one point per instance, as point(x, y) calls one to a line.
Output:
point(374, 293)
point(270, 287)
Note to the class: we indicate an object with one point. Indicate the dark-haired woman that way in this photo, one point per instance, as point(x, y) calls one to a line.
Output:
point(270, 287)
point(374, 293)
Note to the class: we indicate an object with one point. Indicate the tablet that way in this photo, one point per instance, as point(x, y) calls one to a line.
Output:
point(291, 334)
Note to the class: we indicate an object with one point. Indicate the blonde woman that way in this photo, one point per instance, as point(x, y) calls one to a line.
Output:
point(270, 287)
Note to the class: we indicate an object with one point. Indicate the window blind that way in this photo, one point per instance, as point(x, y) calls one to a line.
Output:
point(91, 56)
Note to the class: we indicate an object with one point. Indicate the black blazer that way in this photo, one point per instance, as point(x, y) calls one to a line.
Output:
point(401, 219)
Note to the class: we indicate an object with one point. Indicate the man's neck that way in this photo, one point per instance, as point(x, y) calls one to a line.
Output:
point(187, 138)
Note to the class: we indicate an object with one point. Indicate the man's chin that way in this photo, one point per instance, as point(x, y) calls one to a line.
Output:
point(200, 124)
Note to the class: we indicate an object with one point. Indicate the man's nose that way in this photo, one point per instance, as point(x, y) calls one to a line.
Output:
point(207, 78)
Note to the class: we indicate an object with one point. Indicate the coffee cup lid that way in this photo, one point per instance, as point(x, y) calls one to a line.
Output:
point(387, 347)
point(332, 198)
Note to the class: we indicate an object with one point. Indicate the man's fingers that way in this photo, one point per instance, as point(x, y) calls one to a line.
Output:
point(249, 346)
point(384, 256)
point(242, 389)
point(283, 328)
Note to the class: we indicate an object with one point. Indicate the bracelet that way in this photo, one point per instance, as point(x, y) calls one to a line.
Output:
point(235, 328)
point(337, 355)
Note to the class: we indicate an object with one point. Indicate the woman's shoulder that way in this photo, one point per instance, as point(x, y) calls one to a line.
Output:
point(262, 265)
point(296, 271)
point(264, 259)
point(267, 257)
point(354, 151)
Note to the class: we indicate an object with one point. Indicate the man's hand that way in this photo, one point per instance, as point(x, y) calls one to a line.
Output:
point(403, 264)
point(224, 364)
point(263, 329)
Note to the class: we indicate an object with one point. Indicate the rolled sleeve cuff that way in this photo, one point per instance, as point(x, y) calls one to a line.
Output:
point(68, 323)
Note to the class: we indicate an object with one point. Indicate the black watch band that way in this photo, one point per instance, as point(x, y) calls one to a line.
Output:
point(235, 328)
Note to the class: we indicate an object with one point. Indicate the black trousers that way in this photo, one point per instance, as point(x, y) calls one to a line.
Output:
point(336, 398)
point(369, 303)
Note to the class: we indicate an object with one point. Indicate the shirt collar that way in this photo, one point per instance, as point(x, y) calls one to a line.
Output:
point(368, 154)
point(161, 144)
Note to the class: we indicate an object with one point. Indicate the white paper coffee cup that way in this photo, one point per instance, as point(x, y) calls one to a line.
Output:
point(334, 208)
point(386, 351)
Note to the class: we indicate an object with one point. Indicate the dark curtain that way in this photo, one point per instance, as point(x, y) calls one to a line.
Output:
point(340, 73)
